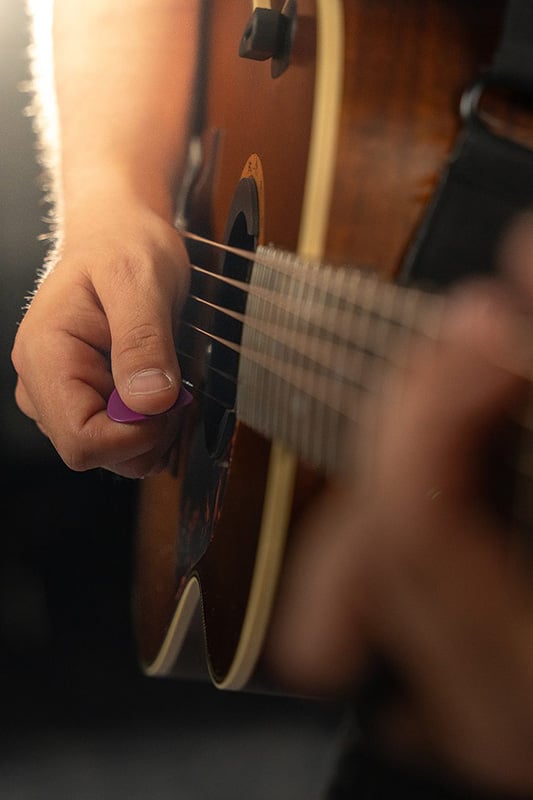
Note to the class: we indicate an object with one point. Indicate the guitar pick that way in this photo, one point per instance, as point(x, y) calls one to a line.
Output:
point(118, 411)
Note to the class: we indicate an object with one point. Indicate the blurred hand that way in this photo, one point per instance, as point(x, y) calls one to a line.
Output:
point(104, 316)
point(411, 560)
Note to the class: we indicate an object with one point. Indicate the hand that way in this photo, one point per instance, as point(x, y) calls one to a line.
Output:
point(413, 562)
point(104, 316)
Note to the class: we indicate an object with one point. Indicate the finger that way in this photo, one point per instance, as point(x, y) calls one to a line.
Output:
point(516, 255)
point(72, 411)
point(156, 460)
point(145, 466)
point(316, 642)
point(53, 346)
point(448, 407)
point(130, 450)
point(489, 319)
point(142, 320)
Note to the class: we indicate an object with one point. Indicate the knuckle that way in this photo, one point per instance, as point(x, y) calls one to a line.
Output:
point(17, 357)
point(76, 458)
point(75, 450)
point(144, 337)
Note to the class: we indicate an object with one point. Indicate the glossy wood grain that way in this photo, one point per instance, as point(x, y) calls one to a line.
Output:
point(407, 64)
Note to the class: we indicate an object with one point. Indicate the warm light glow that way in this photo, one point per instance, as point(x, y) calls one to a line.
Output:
point(43, 109)
point(44, 105)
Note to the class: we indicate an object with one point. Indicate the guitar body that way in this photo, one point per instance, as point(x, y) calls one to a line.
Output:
point(336, 157)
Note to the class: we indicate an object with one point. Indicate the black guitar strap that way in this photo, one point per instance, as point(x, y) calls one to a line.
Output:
point(513, 60)
point(487, 180)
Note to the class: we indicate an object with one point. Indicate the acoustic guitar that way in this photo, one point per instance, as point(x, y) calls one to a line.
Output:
point(320, 130)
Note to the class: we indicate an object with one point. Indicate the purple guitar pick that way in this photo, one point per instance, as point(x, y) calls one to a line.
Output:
point(118, 411)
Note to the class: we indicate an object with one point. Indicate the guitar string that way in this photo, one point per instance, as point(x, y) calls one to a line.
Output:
point(423, 321)
point(274, 332)
point(220, 372)
point(389, 295)
point(399, 308)
point(300, 268)
point(301, 378)
point(310, 274)
point(305, 380)
point(305, 271)
point(199, 390)
point(324, 354)
point(408, 310)
point(328, 356)
point(279, 300)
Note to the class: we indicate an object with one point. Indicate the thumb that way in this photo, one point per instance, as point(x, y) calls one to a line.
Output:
point(143, 356)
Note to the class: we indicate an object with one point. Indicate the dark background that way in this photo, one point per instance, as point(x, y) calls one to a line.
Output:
point(78, 720)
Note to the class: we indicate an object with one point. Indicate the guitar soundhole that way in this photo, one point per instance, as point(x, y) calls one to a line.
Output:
point(223, 362)
point(214, 375)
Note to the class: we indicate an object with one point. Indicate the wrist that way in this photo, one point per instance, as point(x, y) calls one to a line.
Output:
point(87, 194)
point(133, 240)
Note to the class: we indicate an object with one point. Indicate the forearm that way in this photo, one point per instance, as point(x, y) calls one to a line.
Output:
point(123, 73)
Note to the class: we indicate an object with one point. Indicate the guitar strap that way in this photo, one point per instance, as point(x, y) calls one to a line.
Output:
point(513, 60)
point(488, 178)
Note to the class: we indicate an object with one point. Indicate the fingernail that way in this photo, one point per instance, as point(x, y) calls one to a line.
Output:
point(149, 381)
